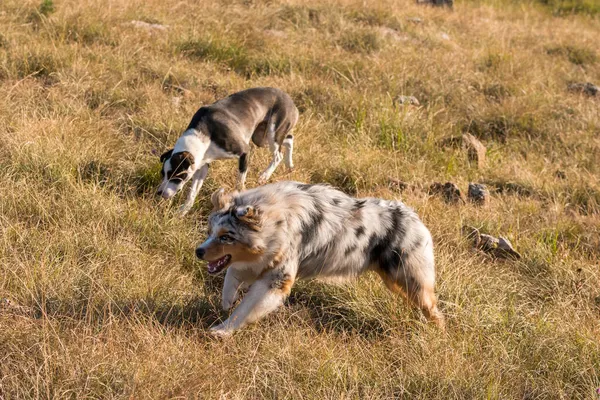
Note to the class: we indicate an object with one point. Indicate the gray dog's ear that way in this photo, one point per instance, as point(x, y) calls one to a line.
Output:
point(166, 155)
point(220, 199)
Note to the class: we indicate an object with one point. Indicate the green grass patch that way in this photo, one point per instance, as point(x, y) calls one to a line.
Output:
point(567, 7)
point(238, 58)
point(576, 55)
point(361, 41)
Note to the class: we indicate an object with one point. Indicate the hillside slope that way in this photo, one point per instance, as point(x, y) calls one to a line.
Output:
point(101, 294)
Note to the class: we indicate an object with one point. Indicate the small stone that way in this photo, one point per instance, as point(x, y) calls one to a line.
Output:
point(505, 249)
point(478, 193)
point(437, 3)
point(392, 34)
point(275, 33)
point(487, 243)
point(475, 149)
point(445, 36)
point(587, 88)
point(497, 247)
point(415, 20)
point(450, 192)
point(6, 305)
point(148, 26)
point(560, 174)
point(397, 184)
point(409, 100)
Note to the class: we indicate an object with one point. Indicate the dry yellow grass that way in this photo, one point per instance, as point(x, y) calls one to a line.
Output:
point(108, 300)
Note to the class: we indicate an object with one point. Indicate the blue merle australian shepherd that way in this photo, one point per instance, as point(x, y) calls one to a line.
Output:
point(270, 236)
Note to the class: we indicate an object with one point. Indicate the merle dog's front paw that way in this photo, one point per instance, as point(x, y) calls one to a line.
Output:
point(184, 209)
point(226, 304)
point(220, 331)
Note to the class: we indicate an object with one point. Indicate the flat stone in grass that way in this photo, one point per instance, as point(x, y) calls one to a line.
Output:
point(437, 3)
point(406, 100)
point(587, 88)
point(478, 193)
point(10, 307)
point(397, 184)
point(497, 247)
point(148, 26)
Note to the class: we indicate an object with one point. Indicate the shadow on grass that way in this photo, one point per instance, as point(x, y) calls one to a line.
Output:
point(329, 312)
point(197, 312)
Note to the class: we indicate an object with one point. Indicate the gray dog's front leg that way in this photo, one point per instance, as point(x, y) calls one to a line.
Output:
point(197, 181)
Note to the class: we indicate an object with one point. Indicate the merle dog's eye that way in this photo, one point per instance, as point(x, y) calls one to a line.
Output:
point(225, 238)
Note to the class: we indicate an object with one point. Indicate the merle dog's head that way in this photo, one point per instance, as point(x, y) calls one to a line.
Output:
point(234, 233)
point(177, 169)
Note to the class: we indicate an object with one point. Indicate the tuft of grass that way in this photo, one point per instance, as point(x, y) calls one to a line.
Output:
point(584, 199)
point(86, 33)
point(300, 16)
point(3, 42)
point(493, 61)
point(576, 55)
point(39, 64)
point(567, 7)
point(501, 128)
point(361, 41)
point(46, 7)
point(375, 17)
point(236, 57)
point(345, 179)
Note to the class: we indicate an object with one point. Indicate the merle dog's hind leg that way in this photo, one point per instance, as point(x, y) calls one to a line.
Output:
point(414, 278)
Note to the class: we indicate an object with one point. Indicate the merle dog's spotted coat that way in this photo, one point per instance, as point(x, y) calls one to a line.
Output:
point(296, 231)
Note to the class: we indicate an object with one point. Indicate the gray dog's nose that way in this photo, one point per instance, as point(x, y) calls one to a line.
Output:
point(200, 252)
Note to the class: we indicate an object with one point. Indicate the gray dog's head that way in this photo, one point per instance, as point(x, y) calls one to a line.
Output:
point(177, 169)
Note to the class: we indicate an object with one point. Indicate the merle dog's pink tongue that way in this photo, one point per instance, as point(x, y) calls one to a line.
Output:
point(213, 266)
point(218, 265)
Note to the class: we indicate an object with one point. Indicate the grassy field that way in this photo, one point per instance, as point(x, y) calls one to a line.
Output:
point(106, 298)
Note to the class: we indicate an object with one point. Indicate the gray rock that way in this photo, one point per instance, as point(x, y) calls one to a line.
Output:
point(587, 88)
point(437, 3)
point(406, 100)
point(149, 27)
point(496, 247)
point(397, 184)
point(478, 193)
point(449, 191)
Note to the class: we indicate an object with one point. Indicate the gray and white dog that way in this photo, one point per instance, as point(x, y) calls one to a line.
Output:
point(223, 130)
point(270, 236)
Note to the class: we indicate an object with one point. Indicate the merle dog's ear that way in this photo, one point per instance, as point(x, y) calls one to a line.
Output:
point(220, 199)
point(245, 212)
point(250, 216)
point(166, 155)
